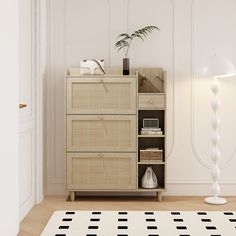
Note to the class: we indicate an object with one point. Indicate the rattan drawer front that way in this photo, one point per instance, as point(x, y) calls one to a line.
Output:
point(101, 171)
point(101, 133)
point(151, 101)
point(101, 96)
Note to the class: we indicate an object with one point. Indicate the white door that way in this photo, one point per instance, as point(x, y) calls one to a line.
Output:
point(27, 108)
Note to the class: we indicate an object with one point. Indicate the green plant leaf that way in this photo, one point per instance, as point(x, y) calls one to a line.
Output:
point(121, 43)
point(139, 36)
point(122, 35)
point(125, 39)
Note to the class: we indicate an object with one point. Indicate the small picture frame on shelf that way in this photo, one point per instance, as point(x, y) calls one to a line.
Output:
point(151, 127)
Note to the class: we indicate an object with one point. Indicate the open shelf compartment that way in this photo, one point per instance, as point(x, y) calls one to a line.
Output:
point(159, 170)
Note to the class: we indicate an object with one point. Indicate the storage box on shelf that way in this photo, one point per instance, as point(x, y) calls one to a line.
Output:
point(103, 131)
point(150, 154)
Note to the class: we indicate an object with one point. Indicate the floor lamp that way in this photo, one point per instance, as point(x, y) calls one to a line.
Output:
point(217, 67)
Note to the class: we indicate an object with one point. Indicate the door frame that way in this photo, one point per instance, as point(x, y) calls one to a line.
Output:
point(40, 30)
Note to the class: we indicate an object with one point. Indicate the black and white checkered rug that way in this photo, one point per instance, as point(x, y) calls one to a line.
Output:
point(141, 223)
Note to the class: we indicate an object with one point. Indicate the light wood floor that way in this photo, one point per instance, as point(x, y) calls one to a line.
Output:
point(37, 218)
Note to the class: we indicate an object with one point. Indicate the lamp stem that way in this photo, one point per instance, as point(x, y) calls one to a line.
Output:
point(215, 155)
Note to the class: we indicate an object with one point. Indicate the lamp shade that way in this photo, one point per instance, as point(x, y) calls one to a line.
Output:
point(218, 66)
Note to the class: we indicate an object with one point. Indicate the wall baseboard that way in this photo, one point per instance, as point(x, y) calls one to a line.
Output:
point(198, 189)
point(174, 188)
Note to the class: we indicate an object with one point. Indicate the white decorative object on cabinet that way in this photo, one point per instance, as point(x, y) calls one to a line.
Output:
point(103, 114)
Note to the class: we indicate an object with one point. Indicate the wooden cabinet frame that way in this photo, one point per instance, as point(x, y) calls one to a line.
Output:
point(117, 99)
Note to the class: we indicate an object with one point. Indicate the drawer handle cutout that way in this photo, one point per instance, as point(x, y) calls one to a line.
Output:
point(152, 103)
point(104, 125)
point(104, 86)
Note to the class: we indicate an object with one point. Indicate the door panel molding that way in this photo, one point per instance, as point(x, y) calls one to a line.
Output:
point(27, 198)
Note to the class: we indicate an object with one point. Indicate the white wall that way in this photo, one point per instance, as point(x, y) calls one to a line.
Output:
point(9, 118)
point(191, 31)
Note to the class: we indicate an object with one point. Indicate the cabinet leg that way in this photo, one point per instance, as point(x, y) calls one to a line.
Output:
point(72, 196)
point(159, 196)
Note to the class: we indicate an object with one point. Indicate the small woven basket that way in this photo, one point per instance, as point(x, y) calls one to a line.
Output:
point(151, 155)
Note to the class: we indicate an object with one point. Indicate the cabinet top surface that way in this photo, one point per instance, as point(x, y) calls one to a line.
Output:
point(149, 80)
point(117, 72)
point(101, 76)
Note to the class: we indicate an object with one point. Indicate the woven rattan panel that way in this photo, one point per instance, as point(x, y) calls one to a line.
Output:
point(101, 171)
point(96, 97)
point(106, 134)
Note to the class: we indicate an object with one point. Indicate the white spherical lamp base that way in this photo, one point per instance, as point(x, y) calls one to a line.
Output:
point(215, 200)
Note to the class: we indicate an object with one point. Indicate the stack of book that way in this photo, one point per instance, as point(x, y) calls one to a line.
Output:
point(151, 131)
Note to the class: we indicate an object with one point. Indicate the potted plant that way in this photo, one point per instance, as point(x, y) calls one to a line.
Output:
point(125, 40)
